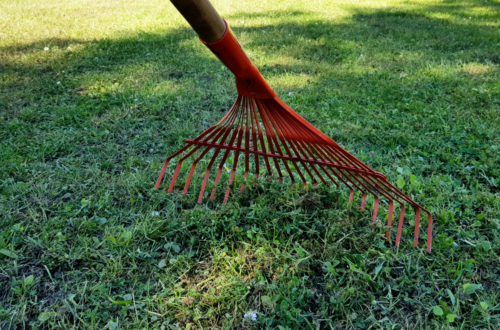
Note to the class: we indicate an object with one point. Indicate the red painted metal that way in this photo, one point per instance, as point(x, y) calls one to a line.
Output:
point(261, 126)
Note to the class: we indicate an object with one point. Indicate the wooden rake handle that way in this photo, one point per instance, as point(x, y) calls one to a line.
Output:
point(203, 18)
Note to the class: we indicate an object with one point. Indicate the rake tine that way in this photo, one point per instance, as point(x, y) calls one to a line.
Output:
point(207, 175)
point(303, 151)
point(314, 153)
point(391, 207)
point(379, 189)
point(417, 225)
point(355, 162)
point(195, 163)
point(363, 201)
point(297, 129)
point(370, 183)
point(178, 152)
point(285, 129)
point(261, 138)
point(294, 128)
point(376, 185)
point(411, 202)
point(400, 225)
point(174, 177)
point(165, 165)
point(228, 189)
point(302, 155)
point(339, 157)
point(270, 137)
point(167, 161)
point(297, 167)
point(351, 192)
point(204, 183)
point(282, 131)
point(349, 171)
point(341, 177)
point(389, 220)
point(396, 191)
point(348, 177)
point(351, 195)
point(224, 157)
point(347, 157)
point(305, 165)
point(418, 208)
point(190, 175)
point(375, 210)
point(322, 167)
point(279, 130)
point(240, 130)
point(217, 178)
point(309, 149)
point(255, 142)
point(318, 151)
point(212, 160)
point(305, 155)
point(215, 130)
point(247, 145)
point(179, 164)
point(364, 191)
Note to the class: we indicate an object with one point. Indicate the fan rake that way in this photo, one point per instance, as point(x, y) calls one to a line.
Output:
point(266, 135)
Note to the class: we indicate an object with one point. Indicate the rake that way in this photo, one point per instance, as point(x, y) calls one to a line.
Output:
point(267, 135)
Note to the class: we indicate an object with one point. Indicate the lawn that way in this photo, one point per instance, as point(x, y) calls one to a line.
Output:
point(95, 94)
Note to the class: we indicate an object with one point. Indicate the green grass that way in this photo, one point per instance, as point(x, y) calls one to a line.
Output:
point(95, 94)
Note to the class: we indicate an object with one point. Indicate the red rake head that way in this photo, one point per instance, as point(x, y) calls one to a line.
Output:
point(266, 134)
